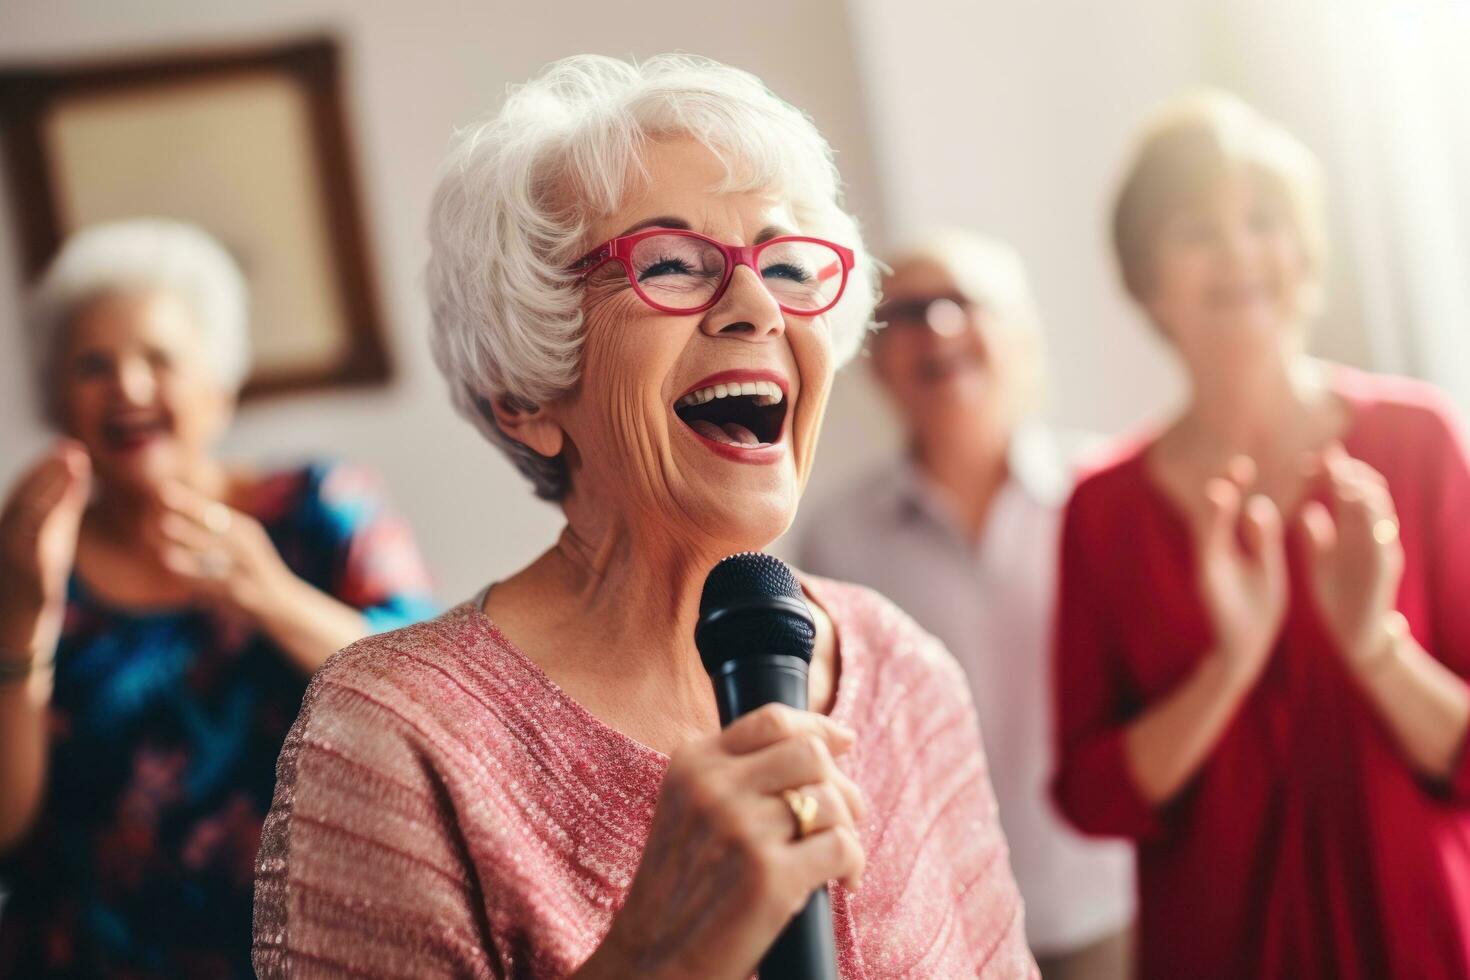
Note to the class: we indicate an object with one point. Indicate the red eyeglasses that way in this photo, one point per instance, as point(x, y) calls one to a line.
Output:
point(686, 272)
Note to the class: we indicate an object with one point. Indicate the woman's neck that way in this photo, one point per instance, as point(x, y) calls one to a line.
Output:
point(609, 614)
point(633, 588)
point(610, 617)
point(1246, 404)
point(1273, 409)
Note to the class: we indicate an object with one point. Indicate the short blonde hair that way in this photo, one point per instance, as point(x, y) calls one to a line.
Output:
point(519, 191)
point(1182, 152)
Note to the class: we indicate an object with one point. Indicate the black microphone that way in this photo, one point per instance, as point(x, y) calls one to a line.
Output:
point(755, 637)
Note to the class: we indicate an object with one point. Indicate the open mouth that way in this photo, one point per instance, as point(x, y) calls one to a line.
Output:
point(939, 367)
point(742, 414)
point(134, 430)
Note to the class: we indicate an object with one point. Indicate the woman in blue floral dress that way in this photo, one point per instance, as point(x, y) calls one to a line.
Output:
point(160, 615)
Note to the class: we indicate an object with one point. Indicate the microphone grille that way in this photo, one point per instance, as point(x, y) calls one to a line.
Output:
point(750, 574)
point(752, 605)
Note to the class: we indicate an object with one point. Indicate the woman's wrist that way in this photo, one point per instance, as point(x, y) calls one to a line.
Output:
point(609, 961)
point(273, 597)
point(27, 642)
point(27, 629)
point(1381, 650)
point(1236, 666)
point(625, 952)
point(18, 667)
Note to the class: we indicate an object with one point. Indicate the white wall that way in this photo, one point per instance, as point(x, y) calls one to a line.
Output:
point(415, 71)
point(1296, 63)
point(1013, 118)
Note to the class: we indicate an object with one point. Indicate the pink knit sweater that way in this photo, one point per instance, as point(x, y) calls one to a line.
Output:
point(444, 809)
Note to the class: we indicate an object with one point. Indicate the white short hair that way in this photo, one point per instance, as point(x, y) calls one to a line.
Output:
point(518, 192)
point(135, 255)
point(987, 269)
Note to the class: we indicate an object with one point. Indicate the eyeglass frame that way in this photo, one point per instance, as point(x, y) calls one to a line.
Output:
point(915, 313)
point(620, 250)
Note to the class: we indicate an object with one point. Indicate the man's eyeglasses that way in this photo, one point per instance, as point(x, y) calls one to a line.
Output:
point(948, 315)
point(686, 272)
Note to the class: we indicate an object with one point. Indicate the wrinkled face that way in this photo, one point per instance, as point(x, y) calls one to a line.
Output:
point(699, 426)
point(1229, 273)
point(945, 359)
point(136, 388)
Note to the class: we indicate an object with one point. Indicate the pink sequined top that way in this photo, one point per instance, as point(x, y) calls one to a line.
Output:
point(444, 809)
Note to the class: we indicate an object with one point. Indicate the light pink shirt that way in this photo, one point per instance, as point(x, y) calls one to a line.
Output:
point(992, 605)
point(443, 809)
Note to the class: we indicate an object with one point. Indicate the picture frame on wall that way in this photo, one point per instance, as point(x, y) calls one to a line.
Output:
point(250, 144)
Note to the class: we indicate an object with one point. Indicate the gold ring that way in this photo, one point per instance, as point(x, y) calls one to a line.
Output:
point(1385, 530)
point(217, 518)
point(803, 808)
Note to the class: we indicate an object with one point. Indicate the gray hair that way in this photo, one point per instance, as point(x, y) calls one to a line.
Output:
point(987, 269)
point(518, 192)
point(142, 254)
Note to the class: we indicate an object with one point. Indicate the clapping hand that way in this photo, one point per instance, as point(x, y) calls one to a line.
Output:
point(1242, 569)
point(39, 526)
point(1356, 558)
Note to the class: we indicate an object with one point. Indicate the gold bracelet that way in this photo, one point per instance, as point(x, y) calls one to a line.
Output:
point(1396, 629)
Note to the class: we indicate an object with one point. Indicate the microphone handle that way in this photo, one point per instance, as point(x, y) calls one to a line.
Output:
point(805, 949)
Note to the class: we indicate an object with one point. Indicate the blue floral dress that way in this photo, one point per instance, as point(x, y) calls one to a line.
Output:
point(165, 728)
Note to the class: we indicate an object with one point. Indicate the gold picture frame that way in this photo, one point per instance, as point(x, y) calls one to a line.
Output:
point(250, 144)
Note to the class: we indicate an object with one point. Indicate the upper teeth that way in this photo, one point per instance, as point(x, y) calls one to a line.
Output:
point(764, 392)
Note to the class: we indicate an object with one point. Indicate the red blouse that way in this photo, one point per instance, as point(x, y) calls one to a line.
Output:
point(1306, 846)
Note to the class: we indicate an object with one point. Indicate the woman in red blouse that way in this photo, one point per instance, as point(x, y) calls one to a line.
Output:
point(1265, 608)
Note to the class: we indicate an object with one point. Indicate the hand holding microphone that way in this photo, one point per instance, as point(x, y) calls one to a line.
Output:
point(756, 635)
point(728, 871)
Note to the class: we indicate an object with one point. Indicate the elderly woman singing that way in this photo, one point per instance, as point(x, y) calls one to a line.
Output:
point(641, 282)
